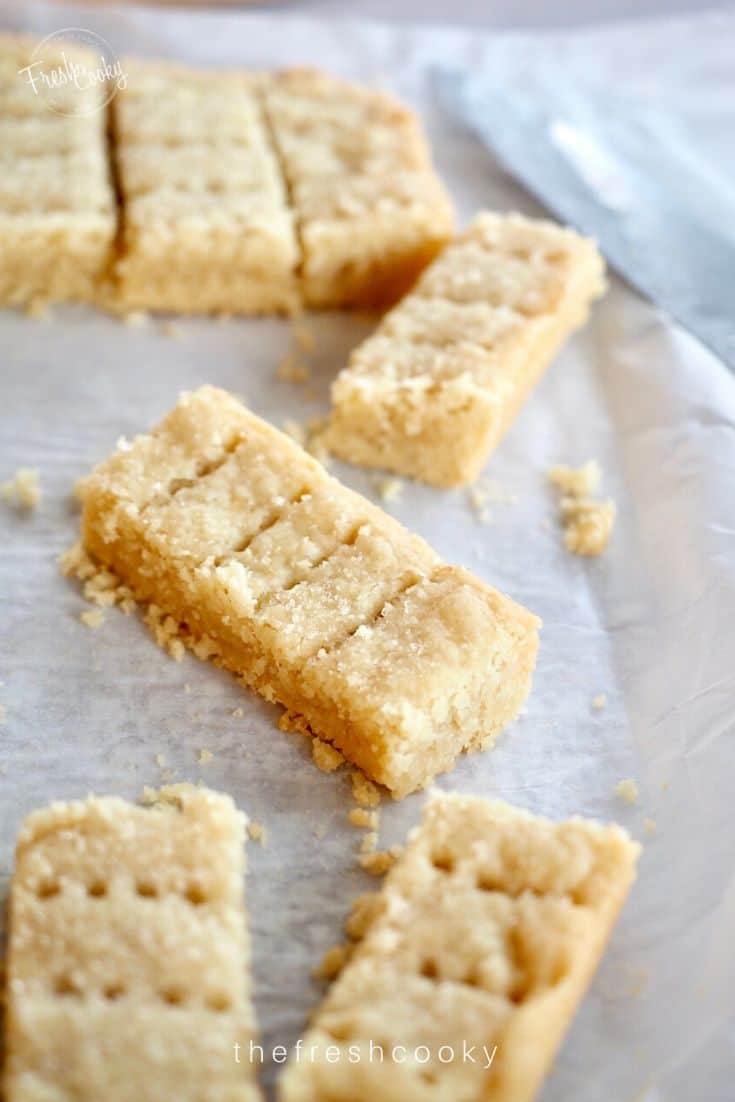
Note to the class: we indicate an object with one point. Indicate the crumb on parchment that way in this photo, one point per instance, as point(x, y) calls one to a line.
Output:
point(587, 523)
point(325, 757)
point(389, 489)
point(136, 319)
point(379, 861)
point(576, 481)
point(257, 832)
point(627, 790)
point(650, 828)
point(365, 792)
point(23, 490)
point(599, 702)
point(93, 617)
point(361, 817)
point(369, 842)
point(205, 756)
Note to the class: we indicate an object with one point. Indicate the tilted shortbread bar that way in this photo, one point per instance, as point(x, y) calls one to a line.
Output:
point(483, 939)
point(370, 208)
point(206, 225)
point(432, 392)
point(128, 963)
point(57, 205)
point(313, 595)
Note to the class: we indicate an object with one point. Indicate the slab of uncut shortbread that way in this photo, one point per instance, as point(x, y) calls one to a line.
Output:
point(57, 206)
point(206, 224)
point(370, 209)
point(483, 940)
point(128, 962)
point(432, 392)
point(317, 598)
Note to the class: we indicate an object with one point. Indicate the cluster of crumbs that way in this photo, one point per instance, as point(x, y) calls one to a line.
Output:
point(365, 792)
point(103, 588)
point(587, 523)
point(23, 490)
point(367, 795)
point(99, 585)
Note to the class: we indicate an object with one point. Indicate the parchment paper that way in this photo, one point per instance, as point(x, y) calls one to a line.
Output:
point(651, 623)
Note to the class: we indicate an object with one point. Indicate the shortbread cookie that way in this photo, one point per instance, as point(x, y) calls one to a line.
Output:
point(310, 593)
point(370, 208)
point(433, 391)
point(57, 206)
point(206, 225)
point(474, 957)
point(128, 962)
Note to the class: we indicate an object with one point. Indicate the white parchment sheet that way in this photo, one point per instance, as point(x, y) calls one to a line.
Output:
point(651, 623)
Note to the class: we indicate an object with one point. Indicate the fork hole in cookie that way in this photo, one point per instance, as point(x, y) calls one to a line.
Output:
point(146, 889)
point(429, 969)
point(443, 861)
point(48, 889)
point(340, 1031)
point(97, 889)
point(64, 985)
point(196, 895)
point(172, 996)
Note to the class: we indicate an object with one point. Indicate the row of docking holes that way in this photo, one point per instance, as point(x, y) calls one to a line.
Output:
point(218, 1002)
point(64, 985)
point(525, 983)
point(444, 862)
point(98, 889)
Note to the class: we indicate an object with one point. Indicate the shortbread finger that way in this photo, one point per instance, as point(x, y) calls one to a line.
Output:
point(482, 941)
point(206, 225)
point(370, 208)
point(128, 962)
point(314, 596)
point(57, 206)
point(434, 390)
